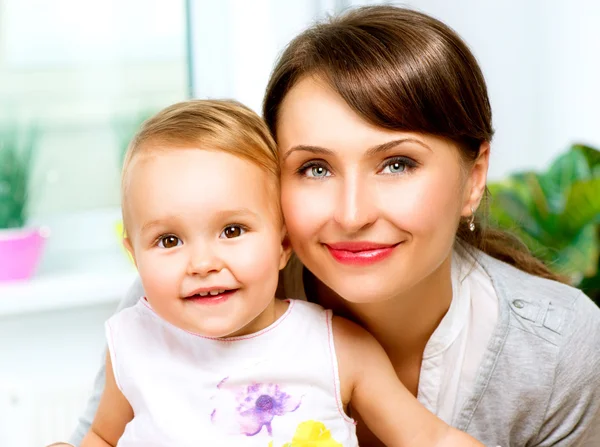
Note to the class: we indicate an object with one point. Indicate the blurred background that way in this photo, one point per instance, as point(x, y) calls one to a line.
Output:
point(77, 77)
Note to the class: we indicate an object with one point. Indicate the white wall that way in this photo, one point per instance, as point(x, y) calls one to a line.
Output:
point(570, 102)
point(540, 59)
point(236, 42)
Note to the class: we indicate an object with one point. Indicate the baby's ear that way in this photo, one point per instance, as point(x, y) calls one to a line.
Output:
point(129, 248)
point(286, 249)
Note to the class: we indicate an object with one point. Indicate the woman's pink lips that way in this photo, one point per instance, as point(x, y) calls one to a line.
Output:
point(360, 253)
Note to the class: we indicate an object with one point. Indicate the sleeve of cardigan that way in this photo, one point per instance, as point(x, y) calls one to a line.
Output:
point(573, 415)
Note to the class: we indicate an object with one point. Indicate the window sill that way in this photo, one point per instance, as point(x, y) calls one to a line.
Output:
point(64, 291)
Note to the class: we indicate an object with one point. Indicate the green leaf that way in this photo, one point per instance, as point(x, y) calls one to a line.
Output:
point(567, 169)
point(507, 209)
point(591, 287)
point(17, 149)
point(556, 213)
point(592, 155)
point(582, 207)
point(579, 258)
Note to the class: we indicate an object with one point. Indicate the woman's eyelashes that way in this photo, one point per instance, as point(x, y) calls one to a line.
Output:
point(316, 169)
point(319, 169)
point(398, 165)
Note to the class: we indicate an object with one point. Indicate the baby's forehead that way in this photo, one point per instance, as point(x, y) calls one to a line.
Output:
point(230, 166)
point(240, 178)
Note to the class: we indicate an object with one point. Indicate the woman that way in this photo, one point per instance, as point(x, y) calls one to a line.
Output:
point(384, 127)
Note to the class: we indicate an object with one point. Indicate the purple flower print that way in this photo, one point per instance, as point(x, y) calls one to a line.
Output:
point(258, 404)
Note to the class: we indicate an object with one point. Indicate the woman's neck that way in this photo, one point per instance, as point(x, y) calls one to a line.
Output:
point(404, 324)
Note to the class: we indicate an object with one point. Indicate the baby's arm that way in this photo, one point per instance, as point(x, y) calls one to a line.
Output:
point(114, 412)
point(390, 411)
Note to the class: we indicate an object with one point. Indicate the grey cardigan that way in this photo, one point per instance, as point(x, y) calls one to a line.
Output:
point(539, 381)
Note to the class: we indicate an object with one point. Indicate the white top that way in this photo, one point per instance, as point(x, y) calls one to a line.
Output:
point(267, 389)
point(454, 352)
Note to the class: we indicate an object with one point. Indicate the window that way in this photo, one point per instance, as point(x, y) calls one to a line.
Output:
point(84, 74)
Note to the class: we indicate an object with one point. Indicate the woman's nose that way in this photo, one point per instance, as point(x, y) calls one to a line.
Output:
point(355, 208)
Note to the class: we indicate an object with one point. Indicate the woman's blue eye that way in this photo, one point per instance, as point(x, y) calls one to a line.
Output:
point(232, 231)
point(398, 166)
point(169, 241)
point(316, 171)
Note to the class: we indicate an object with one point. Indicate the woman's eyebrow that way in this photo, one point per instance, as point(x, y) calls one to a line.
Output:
point(307, 148)
point(394, 143)
point(383, 147)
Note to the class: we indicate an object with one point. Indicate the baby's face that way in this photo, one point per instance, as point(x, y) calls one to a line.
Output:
point(204, 230)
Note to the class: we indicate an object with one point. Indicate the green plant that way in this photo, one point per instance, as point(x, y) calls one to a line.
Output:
point(17, 147)
point(556, 213)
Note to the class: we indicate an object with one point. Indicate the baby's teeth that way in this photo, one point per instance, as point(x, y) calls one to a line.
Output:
point(212, 292)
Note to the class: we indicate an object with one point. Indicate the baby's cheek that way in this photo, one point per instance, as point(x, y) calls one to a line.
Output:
point(158, 279)
point(257, 261)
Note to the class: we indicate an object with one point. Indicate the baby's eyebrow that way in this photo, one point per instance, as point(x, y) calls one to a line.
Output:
point(151, 224)
point(224, 214)
point(161, 221)
point(236, 212)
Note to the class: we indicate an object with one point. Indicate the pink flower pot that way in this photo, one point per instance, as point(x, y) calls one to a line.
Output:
point(20, 251)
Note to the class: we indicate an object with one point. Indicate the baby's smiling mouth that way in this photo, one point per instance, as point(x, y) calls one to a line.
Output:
point(212, 294)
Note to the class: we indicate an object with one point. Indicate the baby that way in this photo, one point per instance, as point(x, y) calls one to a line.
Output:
point(209, 357)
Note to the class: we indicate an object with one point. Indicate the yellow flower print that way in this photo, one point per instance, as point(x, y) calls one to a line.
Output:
point(312, 434)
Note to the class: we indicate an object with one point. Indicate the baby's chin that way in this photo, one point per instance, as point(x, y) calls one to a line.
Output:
point(214, 328)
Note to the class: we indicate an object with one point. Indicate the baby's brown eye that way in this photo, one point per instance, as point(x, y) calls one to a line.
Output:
point(169, 241)
point(232, 231)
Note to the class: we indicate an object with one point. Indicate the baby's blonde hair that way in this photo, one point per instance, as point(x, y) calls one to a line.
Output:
point(219, 125)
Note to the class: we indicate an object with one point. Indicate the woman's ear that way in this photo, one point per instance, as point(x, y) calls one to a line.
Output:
point(286, 248)
point(477, 180)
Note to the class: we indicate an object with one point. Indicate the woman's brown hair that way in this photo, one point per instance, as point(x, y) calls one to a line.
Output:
point(403, 70)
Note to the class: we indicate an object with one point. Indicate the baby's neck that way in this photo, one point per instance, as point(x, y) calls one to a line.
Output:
point(270, 315)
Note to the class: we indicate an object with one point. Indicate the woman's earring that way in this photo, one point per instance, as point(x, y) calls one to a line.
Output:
point(472, 220)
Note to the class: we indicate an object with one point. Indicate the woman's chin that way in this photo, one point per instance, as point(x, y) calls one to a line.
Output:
point(363, 292)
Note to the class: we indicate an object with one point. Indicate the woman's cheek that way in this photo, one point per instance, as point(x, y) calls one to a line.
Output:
point(419, 205)
point(304, 210)
point(437, 205)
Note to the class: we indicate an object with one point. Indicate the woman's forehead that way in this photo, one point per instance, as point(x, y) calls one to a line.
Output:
point(313, 115)
point(313, 110)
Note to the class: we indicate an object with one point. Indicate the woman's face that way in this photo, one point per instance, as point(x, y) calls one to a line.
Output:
point(371, 212)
